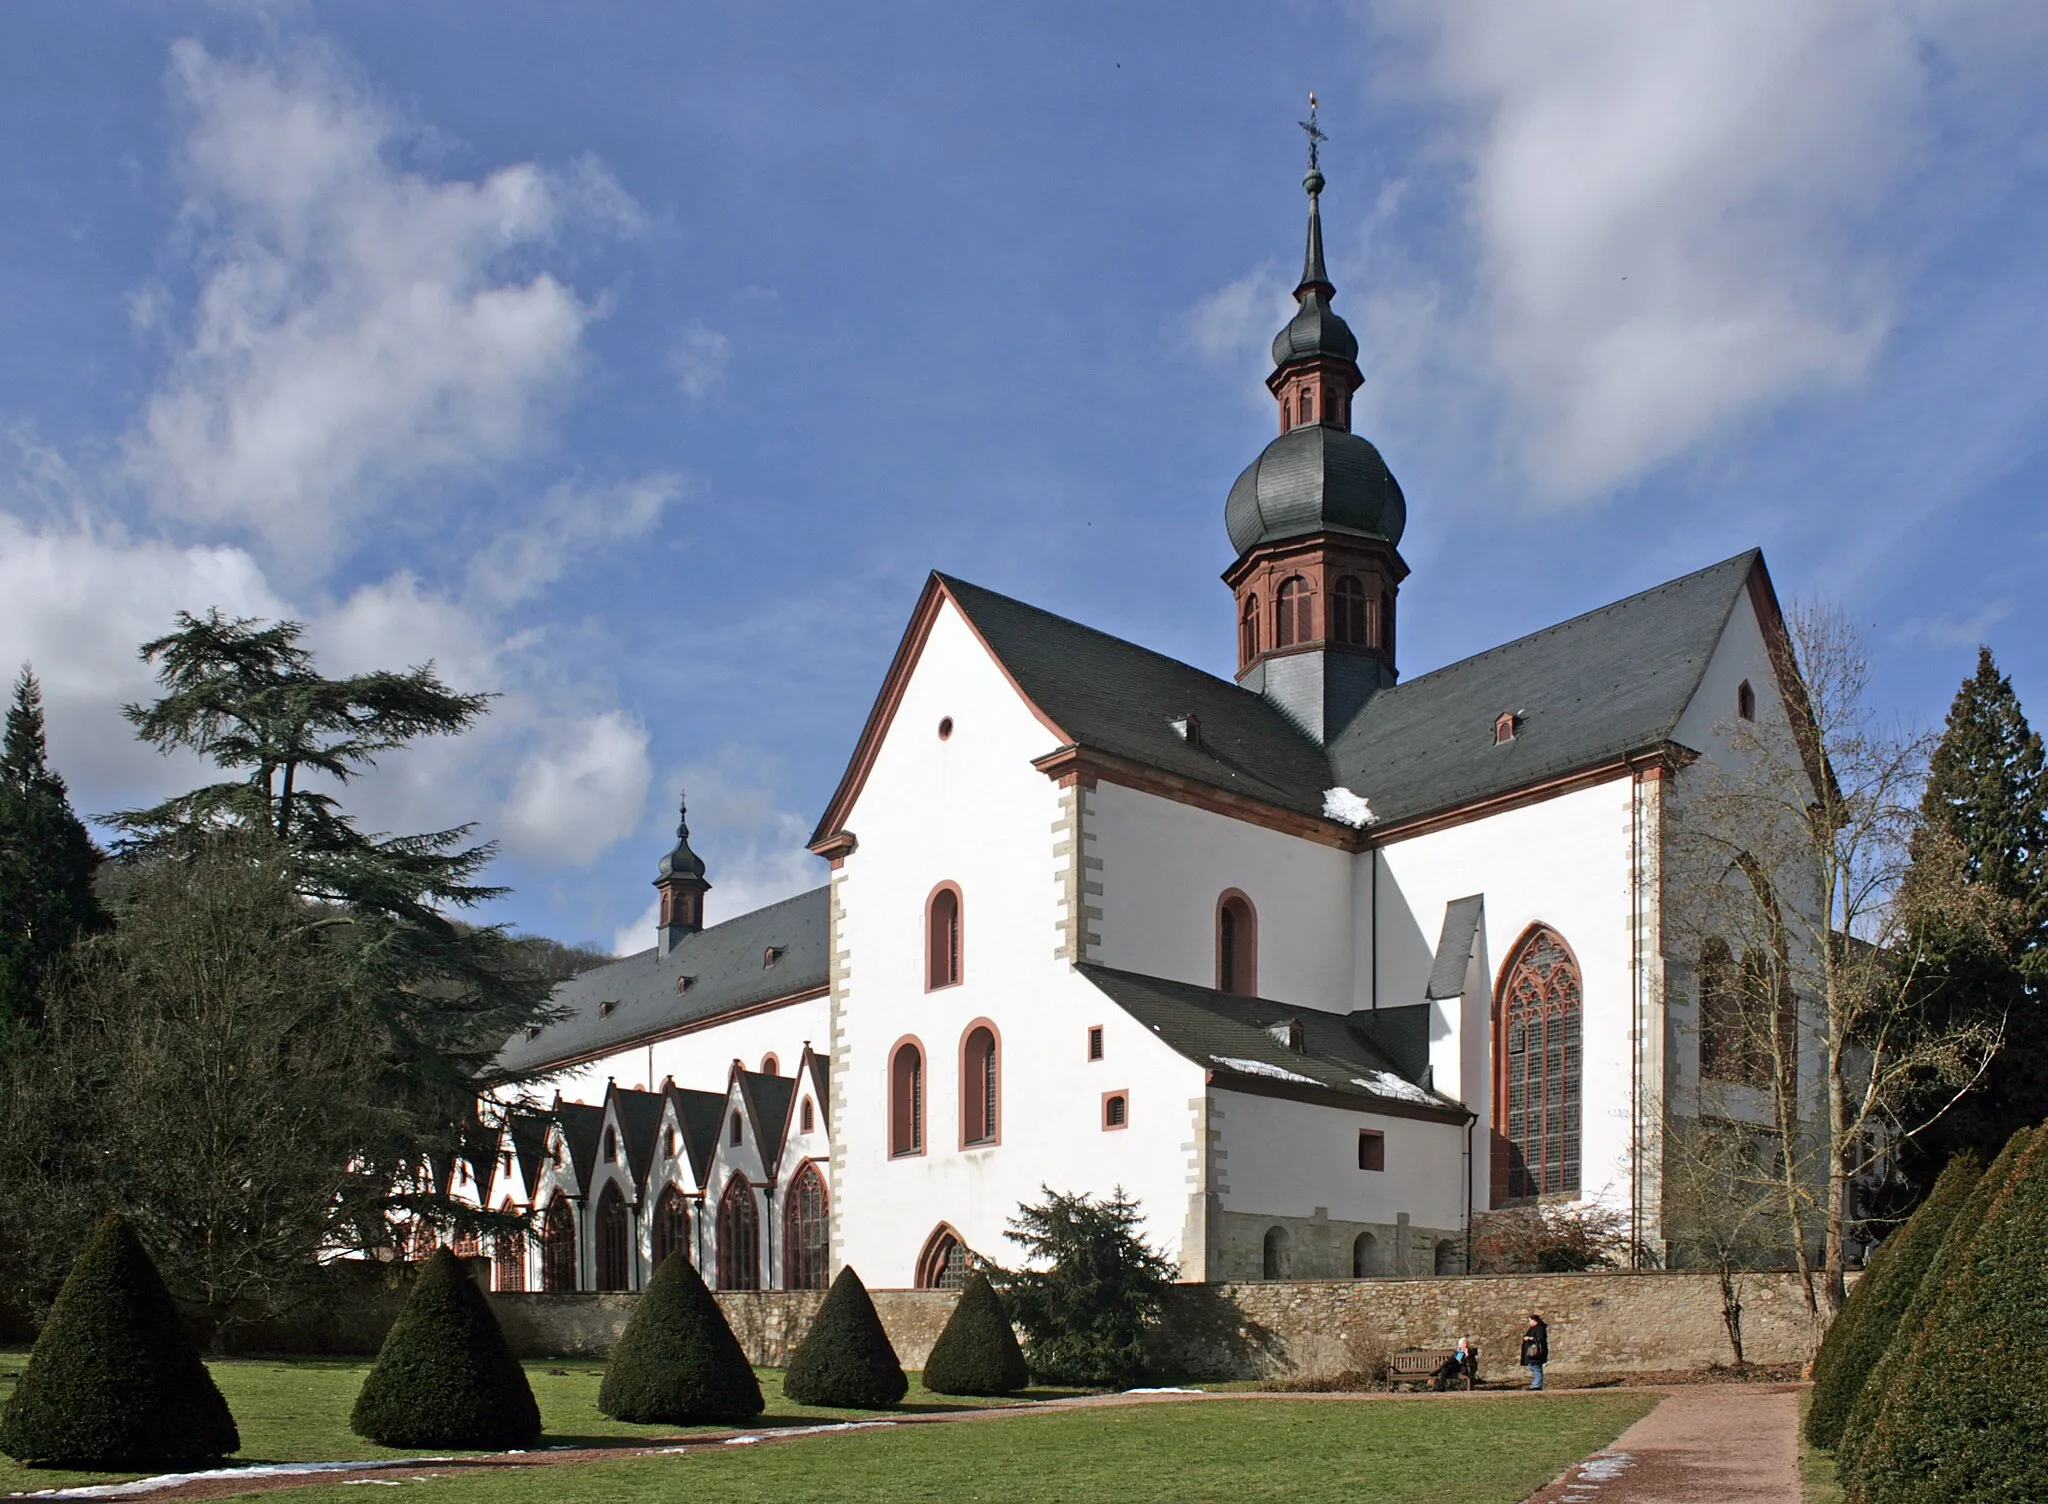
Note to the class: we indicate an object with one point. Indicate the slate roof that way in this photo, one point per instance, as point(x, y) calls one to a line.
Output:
point(529, 1134)
point(725, 961)
point(1584, 692)
point(768, 1099)
point(700, 1114)
point(1229, 1036)
point(639, 1115)
point(582, 1126)
point(1454, 947)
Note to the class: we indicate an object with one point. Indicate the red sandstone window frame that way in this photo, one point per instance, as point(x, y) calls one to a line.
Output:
point(981, 1087)
point(806, 1265)
point(1560, 1008)
point(669, 1233)
point(933, 1262)
point(906, 1098)
point(1348, 612)
point(1248, 630)
point(1372, 1149)
point(739, 1236)
point(1294, 613)
point(1237, 951)
point(770, 1066)
point(1116, 1110)
point(1095, 1043)
point(807, 1117)
point(945, 937)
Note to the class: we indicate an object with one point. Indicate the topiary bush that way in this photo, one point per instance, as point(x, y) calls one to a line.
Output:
point(678, 1363)
point(846, 1359)
point(445, 1376)
point(1864, 1327)
point(115, 1381)
point(1965, 1416)
point(1962, 1229)
point(977, 1353)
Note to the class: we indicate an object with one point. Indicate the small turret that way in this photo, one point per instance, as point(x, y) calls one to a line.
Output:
point(682, 885)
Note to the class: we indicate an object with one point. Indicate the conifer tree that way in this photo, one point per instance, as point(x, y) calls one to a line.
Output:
point(445, 1376)
point(846, 1359)
point(114, 1380)
point(47, 861)
point(1987, 792)
point(977, 1353)
point(677, 1362)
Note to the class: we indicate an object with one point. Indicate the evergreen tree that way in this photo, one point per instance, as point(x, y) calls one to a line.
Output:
point(114, 1380)
point(1867, 1322)
point(445, 1376)
point(1987, 793)
point(977, 1353)
point(677, 1363)
point(846, 1359)
point(47, 861)
point(1965, 1420)
point(1089, 1303)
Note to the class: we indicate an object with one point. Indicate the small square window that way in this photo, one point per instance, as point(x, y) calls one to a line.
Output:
point(1116, 1110)
point(1095, 1041)
point(1372, 1149)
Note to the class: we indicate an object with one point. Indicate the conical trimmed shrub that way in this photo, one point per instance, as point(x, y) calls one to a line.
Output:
point(977, 1353)
point(1864, 1328)
point(1962, 1231)
point(677, 1362)
point(445, 1376)
point(1966, 1418)
point(115, 1381)
point(846, 1359)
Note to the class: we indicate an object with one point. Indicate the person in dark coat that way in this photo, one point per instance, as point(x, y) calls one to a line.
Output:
point(1535, 1349)
point(1460, 1368)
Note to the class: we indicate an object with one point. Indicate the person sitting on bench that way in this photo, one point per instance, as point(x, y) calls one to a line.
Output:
point(1458, 1368)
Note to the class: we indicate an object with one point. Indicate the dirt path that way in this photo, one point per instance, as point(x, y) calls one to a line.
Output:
point(1706, 1444)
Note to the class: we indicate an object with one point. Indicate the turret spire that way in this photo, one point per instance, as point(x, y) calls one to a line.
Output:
point(1313, 277)
point(681, 881)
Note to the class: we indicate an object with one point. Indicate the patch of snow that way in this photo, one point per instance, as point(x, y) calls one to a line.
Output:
point(838, 1425)
point(1347, 808)
point(1166, 1389)
point(1260, 1068)
point(263, 1470)
point(1387, 1084)
point(1604, 1467)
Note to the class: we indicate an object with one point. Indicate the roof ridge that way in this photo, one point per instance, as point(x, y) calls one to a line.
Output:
point(1572, 621)
point(714, 928)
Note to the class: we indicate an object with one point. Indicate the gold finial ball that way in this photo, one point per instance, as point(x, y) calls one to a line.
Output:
point(1312, 99)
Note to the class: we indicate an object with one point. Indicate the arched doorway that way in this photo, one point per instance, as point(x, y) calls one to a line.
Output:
point(806, 1232)
point(739, 1237)
point(1448, 1258)
point(1537, 1079)
point(1273, 1260)
point(1365, 1256)
point(558, 1247)
point(671, 1223)
point(614, 1243)
point(945, 1262)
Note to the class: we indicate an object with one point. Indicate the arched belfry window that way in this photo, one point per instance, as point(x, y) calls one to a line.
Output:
point(1248, 631)
point(942, 937)
point(806, 1232)
point(980, 1086)
point(1237, 945)
point(1347, 611)
point(739, 1237)
point(1294, 613)
point(906, 1099)
point(1538, 1095)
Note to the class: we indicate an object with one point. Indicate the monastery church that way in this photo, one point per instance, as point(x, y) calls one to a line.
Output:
point(1313, 963)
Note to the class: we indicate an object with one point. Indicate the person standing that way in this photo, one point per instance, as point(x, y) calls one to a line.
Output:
point(1535, 1349)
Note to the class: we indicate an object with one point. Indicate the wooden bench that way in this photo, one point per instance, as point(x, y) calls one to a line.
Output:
point(1420, 1365)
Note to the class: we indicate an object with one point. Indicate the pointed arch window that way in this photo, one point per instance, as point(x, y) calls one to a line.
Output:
point(1294, 613)
point(1721, 1042)
point(806, 1232)
point(980, 1085)
point(906, 1099)
point(1237, 945)
point(1347, 611)
point(558, 1247)
point(1745, 701)
point(739, 1237)
point(942, 937)
point(671, 1224)
point(945, 1262)
point(1248, 631)
point(1539, 1090)
point(614, 1262)
point(509, 1258)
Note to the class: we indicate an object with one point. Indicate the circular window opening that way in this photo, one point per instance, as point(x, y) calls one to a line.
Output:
point(945, 727)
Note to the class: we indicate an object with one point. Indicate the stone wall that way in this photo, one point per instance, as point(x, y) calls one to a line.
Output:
point(769, 1323)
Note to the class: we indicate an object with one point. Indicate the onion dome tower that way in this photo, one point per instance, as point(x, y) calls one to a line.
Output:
point(681, 881)
point(1315, 520)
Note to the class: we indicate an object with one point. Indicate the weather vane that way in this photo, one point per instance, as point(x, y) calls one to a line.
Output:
point(1315, 135)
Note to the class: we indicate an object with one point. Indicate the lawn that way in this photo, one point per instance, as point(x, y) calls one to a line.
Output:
point(1453, 1450)
point(1817, 1483)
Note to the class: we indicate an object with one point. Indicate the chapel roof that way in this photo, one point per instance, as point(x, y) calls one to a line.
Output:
point(1233, 1038)
point(728, 969)
point(639, 1115)
point(582, 1125)
point(699, 1114)
point(768, 1098)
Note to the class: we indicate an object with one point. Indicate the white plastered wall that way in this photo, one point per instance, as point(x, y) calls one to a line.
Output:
point(701, 1058)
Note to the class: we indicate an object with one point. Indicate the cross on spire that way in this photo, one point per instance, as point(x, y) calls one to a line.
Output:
point(1315, 134)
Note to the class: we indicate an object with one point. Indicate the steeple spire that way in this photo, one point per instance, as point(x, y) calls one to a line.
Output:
point(1313, 277)
point(681, 881)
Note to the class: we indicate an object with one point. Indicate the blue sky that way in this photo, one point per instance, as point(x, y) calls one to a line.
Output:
point(636, 362)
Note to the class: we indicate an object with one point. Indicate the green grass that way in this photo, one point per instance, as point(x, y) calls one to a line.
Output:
point(1817, 1483)
point(297, 1410)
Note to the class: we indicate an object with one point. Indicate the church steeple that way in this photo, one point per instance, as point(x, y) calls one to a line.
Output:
point(1316, 518)
point(682, 885)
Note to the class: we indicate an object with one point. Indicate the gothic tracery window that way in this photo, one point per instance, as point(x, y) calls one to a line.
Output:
point(807, 1236)
point(614, 1252)
point(671, 1224)
point(1539, 1097)
point(558, 1247)
point(739, 1237)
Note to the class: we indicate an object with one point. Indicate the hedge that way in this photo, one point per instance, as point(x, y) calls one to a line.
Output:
point(977, 1353)
point(678, 1363)
point(846, 1359)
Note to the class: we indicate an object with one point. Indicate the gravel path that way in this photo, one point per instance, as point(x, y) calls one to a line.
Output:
point(1705, 1444)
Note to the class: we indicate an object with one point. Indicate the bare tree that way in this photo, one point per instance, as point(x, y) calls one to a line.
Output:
point(1790, 855)
point(1723, 1197)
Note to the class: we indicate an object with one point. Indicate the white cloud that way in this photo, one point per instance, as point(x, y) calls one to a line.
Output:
point(571, 520)
point(1234, 325)
point(1668, 204)
point(1947, 633)
point(631, 939)
point(358, 326)
point(582, 793)
point(699, 359)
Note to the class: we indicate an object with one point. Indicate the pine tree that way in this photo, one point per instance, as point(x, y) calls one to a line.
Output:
point(977, 1353)
point(1966, 1418)
point(1865, 1326)
point(677, 1363)
point(445, 1376)
point(1987, 792)
point(47, 861)
point(114, 1380)
point(1094, 1292)
point(846, 1359)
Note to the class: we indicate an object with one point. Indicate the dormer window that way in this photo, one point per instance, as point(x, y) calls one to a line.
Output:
point(533, 1031)
point(1745, 701)
point(605, 1009)
point(1504, 728)
point(770, 955)
point(684, 984)
point(1189, 728)
point(1289, 1032)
